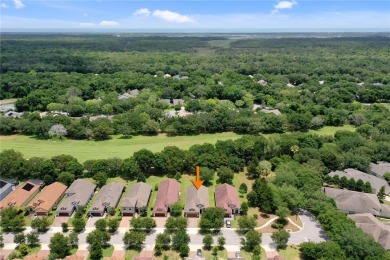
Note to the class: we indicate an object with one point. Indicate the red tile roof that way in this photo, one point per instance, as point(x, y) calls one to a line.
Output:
point(226, 197)
point(168, 194)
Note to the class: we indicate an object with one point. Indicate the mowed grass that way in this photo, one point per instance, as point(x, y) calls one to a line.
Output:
point(331, 130)
point(116, 147)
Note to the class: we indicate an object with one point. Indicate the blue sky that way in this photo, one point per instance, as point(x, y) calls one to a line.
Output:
point(201, 14)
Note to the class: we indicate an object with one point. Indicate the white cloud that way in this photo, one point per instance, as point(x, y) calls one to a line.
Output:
point(109, 23)
point(87, 24)
point(172, 16)
point(284, 5)
point(3, 5)
point(18, 4)
point(142, 12)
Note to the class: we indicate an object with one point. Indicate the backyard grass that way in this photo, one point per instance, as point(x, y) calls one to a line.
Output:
point(290, 253)
point(116, 147)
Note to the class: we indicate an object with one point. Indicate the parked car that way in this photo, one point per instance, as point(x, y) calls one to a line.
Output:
point(199, 252)
point(238, 254)
point(228, 223)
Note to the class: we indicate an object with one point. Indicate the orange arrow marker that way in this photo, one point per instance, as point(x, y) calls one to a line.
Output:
point(197, 183)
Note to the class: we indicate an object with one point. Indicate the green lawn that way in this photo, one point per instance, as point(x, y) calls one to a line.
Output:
point(290, 253)
point(246, 255)
point(107, 251)
point(130, 254)
point(222, 254)
point(331, 130)
point(116, 147)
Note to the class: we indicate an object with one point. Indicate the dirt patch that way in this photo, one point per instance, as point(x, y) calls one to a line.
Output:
point(7, 137)
point(43, 253)
point(262, 218)
point(269, 229)
point(297, 220)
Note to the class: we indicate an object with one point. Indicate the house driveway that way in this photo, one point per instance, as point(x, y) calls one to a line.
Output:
point(59, 220)
point(160, 221)
point(92, 220)
point(5, 253)
point(193, 222)
point(125, 222)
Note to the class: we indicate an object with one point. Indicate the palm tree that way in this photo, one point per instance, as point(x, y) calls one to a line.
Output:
point(294, 149)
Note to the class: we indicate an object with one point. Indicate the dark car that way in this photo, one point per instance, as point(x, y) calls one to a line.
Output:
point(199, 252)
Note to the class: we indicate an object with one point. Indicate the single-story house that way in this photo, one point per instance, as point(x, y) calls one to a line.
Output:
point(49, 197)
point(168, 194)
point(196, 201)
point(129, 94)
point(6, 186)
point(373, 227)
point(376, 183)
point(172, 101)
point(271, 111)
point(21, 196)
point(14, 114)
point(78, 194)
point(354, 202)
point(379, 169)
point(226, 197)
point(136, 198)
point(124, 96)
point(108, 197)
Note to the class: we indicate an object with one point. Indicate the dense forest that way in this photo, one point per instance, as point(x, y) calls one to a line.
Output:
point(225, 84)
point(290, 169)
point(312, 81)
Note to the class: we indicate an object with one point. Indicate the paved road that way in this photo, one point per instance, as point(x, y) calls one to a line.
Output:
point(311, 231)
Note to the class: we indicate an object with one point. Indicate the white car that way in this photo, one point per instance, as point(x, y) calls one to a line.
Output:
point(228, 223)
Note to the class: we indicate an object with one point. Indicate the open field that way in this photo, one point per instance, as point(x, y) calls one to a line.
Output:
point(331, 130)
point(115, 147)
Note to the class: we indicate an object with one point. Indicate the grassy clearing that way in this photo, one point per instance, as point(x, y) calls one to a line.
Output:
point(290, 253)
point(116, 147)
point(331, 130)
point(8, 101)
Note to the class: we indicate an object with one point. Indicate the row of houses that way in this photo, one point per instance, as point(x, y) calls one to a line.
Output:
point(363, 209)
point(81, 191)
point(376, 182)
point(197, 200)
